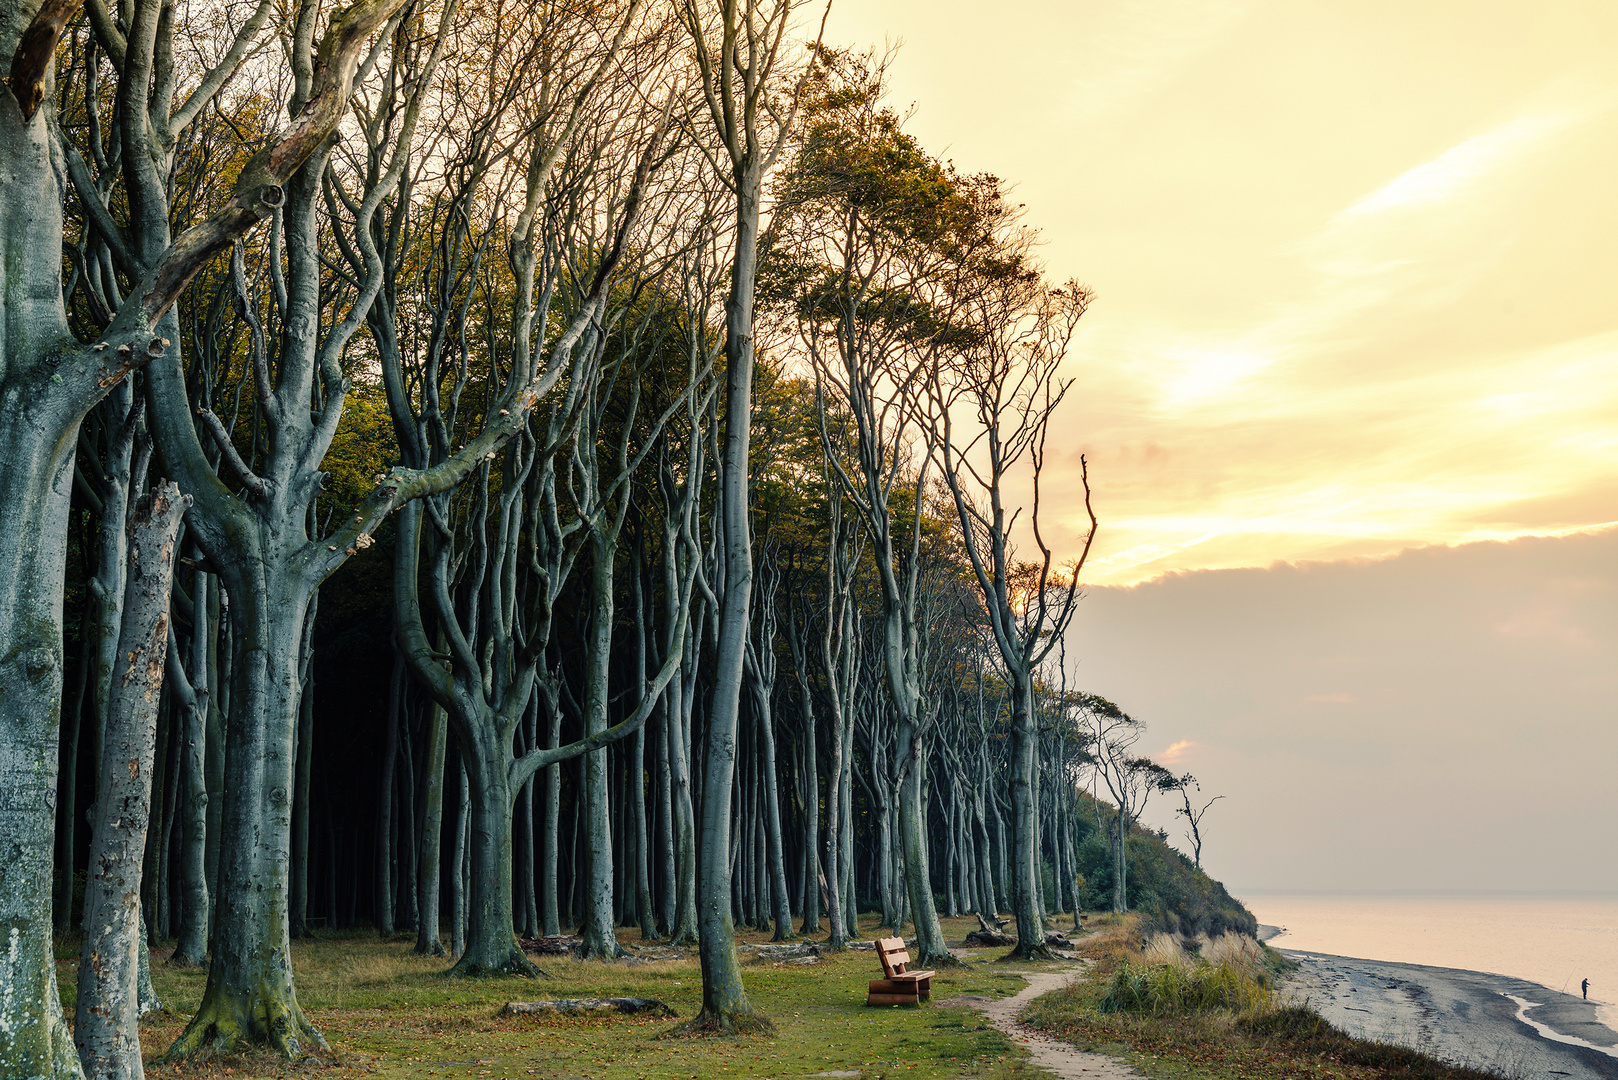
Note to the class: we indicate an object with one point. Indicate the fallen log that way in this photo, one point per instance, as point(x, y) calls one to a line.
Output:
point(989, 939)
point(555, 945)
point(788, 952)
point(587, 1006)
point(983, 924)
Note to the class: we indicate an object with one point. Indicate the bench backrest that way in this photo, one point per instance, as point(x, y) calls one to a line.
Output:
point(891, 951)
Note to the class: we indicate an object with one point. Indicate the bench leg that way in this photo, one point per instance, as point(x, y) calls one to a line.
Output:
point(875, 998)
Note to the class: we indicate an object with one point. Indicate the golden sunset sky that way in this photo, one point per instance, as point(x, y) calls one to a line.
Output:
point(1354, 263)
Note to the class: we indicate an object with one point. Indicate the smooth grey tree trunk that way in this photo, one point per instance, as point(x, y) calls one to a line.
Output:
point(106, 1028)
point(680, 701)
point(432, 824)
point(249, 995)
point(384, 811)
point(192, 699)
point(812, 876)
point(458, 869)
point(550, 847)
point(302, 805)
point(35, 484)
point(724, 1000)
point(597, 925)
point(665, 816)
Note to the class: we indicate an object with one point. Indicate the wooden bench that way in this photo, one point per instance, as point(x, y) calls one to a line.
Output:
point(898, 986)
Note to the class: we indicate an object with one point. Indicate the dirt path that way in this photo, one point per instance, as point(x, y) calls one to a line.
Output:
point(1059, 1057)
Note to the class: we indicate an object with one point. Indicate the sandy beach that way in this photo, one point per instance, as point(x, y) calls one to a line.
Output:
point(1515, 1027)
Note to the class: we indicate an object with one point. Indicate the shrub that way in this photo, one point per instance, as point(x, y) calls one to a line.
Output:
point(1165, 981)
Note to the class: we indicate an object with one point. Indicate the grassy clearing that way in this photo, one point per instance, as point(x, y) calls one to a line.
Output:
point(389, 1013)
point(1176, 1016)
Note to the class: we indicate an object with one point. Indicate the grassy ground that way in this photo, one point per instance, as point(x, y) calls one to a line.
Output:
point(1263, 1043)
point(389, 1013)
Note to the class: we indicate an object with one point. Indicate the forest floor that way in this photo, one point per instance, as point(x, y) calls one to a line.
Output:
point(388, 1013)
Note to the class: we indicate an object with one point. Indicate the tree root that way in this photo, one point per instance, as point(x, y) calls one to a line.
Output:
point(708, 1025)
point(513, 963)
point(1038, 953)
point(274, 1023)
point(586, 952)
point(945, 959)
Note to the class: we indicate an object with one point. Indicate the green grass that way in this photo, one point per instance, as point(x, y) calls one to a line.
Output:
point(389, 1013)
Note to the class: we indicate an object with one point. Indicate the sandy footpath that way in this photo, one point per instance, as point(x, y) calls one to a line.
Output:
point(1065, 1060)
point(1517, 1028)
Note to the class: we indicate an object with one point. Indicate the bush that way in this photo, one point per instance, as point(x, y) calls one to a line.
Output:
point(1167, 982)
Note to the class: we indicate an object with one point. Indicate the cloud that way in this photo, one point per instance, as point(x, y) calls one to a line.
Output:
point(1464, 165)
point(1177, 752)
point(1457, 736)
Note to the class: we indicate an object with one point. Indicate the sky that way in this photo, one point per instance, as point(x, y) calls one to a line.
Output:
point(1353, 263)
point(1349, 395)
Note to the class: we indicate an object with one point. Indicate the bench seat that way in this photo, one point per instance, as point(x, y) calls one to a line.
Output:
point(898, 986)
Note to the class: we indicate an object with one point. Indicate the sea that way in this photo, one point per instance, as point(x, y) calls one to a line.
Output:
point(1555, 940)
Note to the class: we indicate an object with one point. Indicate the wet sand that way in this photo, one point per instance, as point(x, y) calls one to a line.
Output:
point(1514, 1027)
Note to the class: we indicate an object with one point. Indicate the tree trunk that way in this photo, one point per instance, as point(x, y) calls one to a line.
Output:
point(432, 824)
point(458, 869)
point(776, 858)
point(302, 807)
point(724, 1000)
point(107, 1024)
point(685, 930)
point(491, 947)
point(1120, 869)
point(384, 809)
point(643, 862)
point(191, 946)
point(1024, 835)
point(249, 996)
point(550, 847)
point(34, 490)
point(812, 876)
point(597, 927)
point(665, 814)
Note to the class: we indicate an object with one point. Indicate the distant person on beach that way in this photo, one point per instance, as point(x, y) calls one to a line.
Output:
point(1586, 989)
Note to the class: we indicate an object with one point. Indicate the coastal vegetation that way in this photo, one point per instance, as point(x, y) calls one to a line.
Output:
point(1211, 1009)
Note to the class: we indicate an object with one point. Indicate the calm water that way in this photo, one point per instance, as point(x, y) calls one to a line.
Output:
point(1552, 940)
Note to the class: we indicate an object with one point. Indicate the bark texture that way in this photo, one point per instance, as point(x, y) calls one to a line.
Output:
point(107, 1020)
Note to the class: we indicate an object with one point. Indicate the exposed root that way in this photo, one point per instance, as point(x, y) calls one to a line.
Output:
point(512, 963)
point(945, 959)
point(709, 1025)
point(586, 951)
point(1039, 953)
point(274, 1024)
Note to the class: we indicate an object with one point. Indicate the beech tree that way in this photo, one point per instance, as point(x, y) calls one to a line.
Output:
point(738, 51)
point(51, 379)
point(1006, 383)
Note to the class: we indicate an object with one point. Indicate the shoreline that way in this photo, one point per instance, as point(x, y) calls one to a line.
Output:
point(1471, 1018)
